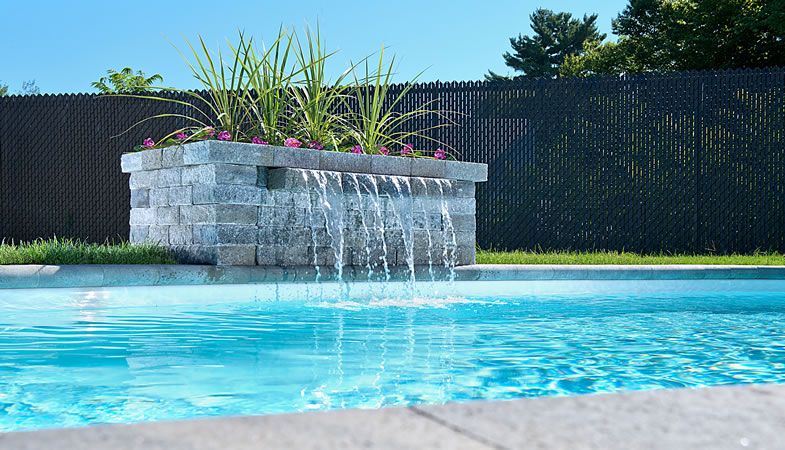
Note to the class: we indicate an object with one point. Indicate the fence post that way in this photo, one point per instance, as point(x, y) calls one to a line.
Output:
point(698, 151)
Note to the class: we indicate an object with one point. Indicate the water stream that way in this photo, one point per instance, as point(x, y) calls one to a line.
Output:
point(393, 212)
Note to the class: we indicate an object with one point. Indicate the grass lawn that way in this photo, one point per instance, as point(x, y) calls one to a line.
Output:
point(67, 251)
point(601, 257)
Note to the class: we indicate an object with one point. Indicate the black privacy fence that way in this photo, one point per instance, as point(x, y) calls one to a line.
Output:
point(687, 162)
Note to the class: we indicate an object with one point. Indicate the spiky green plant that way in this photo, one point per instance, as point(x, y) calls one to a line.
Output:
point(271, 75)
point(375, 122)
point(224, 98)
point(315, 99)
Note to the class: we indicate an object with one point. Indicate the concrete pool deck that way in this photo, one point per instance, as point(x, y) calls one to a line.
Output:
point(717, 418)
point(50, 276)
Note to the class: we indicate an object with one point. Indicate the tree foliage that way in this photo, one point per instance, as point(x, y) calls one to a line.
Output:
point(126, 81)
point(672, 35)
point(556, 37)
point(3, 89)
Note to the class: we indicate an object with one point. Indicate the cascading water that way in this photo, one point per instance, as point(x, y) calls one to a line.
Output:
point(394, 211)
point(427, 223)
point(376, 200)
point(311, 220)
point(367, 241)
point(448, 231)
point(331, 200)
point(402, 209)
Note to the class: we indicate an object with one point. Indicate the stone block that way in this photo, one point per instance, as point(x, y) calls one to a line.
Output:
point(180, 235)
point(220, 174)
point(180, 195)
point(211, 152)
point(429, 168)
point(235, 255)
point(140, 198)
point(301, 158)
point(167, 215)
point(391, 165)
point(224, 234)
point(143, 180)
point(345, 162)
point(463, 222)
point(159, 197)
point(139, 233)
point(138, 161)
point(172, 156)
point(171, 176)
point(227, 194)
point(142, 216)
point(458, 170)
point(219, 214)
point(275, 216)
point(463, 188)
point(158, 234)
point(285, 236)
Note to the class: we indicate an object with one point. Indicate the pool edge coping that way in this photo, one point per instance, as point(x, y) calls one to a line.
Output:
point(118, 275)
point(715, 417)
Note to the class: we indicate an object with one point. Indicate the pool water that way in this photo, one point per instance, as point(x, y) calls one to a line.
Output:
point(73, 358)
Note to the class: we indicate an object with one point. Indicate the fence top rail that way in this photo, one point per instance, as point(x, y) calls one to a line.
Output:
point(516, 83)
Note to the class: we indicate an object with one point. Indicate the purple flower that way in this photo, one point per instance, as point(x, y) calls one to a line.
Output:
point(210, 131)
point(316, 145)
point(148, 143)
point(440, 154)
point(384, 151)
point(357, 149)
point(407, 149)
point(293, 143)
point(224, 136)
point(258, 140)
point(181, 136)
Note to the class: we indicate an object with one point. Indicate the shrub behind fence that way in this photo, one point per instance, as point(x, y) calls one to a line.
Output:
point(685, 162)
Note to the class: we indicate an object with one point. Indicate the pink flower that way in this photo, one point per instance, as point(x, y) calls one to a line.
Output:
point(407, 149)
point(210, 131)
point(293, 143)
point(440, 154)
point(316, 145)
point(148, 143)
point(357, 149)
point(181, 136)
point(224, 136)
point(258, 140)
point(384, 151)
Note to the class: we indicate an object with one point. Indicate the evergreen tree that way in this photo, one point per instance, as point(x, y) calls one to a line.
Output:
point(671, 35)
point(556, 36)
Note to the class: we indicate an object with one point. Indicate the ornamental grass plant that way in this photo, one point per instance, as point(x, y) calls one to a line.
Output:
point(281, 95)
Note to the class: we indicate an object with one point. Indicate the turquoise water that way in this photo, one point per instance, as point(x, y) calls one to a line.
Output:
point(73, 358)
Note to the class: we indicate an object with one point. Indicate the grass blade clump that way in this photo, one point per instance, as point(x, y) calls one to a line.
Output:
point(58, 251)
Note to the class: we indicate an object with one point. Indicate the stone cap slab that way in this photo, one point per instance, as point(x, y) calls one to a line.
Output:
point(107, 275)
point(216, 152)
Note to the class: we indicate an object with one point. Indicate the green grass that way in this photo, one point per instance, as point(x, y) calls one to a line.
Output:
point(67, 251)
point(603, 257)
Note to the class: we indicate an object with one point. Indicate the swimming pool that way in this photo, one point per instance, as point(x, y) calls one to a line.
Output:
point(71, 357)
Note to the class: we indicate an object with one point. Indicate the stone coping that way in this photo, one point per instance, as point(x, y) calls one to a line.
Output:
point(216, 152)
point(715, 418)
point(108, 275)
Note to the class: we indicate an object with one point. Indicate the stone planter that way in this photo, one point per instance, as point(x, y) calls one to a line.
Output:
point(229, 203)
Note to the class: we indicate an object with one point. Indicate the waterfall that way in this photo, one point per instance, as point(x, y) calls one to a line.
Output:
point(360, 203)
point(448, 231)
point(309, 210)
point(402, 209)
point(427, 220)
point(331, 199)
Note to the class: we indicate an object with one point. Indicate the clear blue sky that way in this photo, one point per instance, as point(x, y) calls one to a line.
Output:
point(64, 45)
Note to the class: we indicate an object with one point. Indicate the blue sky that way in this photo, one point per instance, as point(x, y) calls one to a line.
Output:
point(66, 45)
